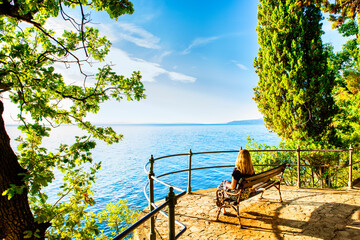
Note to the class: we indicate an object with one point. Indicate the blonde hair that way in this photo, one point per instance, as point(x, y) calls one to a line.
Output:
point(243, 163)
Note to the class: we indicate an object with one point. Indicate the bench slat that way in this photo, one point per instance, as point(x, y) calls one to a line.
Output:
point(263, 185)
point(262, 177)
point(274, 171)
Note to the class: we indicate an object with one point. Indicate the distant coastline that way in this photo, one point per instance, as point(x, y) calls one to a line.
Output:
point(239, 122)
point(259, 121)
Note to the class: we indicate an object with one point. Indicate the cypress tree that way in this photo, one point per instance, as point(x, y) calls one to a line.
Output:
point(294, 91)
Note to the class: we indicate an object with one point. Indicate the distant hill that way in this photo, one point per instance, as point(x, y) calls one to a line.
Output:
point(247, 122)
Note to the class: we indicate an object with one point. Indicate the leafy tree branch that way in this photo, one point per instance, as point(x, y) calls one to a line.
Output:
point(28, 74)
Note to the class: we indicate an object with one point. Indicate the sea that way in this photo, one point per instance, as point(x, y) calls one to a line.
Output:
point(122, 174)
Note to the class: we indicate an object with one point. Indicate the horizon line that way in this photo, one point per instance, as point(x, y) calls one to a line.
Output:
point(236, 122)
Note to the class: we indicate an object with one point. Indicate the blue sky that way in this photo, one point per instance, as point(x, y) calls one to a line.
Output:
point(198, 61)
point(196, 58)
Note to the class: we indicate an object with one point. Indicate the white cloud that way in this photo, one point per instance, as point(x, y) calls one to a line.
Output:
point(241, 66)
point(199, 42)
point(108, 31)
point(125, 65)
point(137, 35)
point(164, 54)
point(180, 77)
point(113, 31)
point(58, 25)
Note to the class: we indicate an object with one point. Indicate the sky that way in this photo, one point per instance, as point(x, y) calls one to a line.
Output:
point(195, 57)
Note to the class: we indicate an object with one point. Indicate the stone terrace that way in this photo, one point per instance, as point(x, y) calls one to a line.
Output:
point(304, 214)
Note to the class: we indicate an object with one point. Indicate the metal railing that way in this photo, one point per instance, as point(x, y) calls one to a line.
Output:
point(171, 198)
point(170, 201)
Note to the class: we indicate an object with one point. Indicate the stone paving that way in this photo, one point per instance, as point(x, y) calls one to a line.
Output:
point(304, 214)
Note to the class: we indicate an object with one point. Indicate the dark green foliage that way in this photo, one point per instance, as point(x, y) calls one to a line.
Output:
point(294, 91)
point(29, 56)
point(318, 168)
point(308, 94)
point(339, 10)
point(347, 90)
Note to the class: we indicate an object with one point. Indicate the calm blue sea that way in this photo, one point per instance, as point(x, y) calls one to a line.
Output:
point(122, 174)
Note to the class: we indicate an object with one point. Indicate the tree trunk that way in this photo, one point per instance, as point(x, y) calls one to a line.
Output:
point(15, 214)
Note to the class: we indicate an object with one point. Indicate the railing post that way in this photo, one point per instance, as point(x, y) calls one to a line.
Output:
point(350, 184)
point(152, 235)
point(171, 214)
point(189, 173)
point(298, 166)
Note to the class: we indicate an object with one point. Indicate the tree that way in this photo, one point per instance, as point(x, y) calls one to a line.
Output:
point(340, 10)
point(347, 90)
point(29, 56)
point(294, 91)
point(344, 14)
point(118, 216)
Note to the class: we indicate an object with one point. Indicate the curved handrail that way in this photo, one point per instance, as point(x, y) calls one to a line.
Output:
point(186, 170)
point(183, 192)
point(148, 216)
point(141, 221)
point(259, 150)
point(173, 155)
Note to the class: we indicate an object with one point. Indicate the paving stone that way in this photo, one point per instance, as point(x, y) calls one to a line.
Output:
point(305, 214)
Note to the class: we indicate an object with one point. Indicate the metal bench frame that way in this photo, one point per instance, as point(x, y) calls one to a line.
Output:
point(259, 183)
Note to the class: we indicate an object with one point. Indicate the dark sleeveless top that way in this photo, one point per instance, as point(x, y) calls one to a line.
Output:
point(236, 174)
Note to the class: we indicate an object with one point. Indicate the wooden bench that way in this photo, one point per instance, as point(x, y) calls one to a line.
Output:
point(249, 187)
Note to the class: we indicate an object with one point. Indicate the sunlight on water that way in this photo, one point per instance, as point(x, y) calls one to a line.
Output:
point(122, 174)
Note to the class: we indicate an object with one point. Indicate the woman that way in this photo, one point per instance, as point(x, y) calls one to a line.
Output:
point(243, 168)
